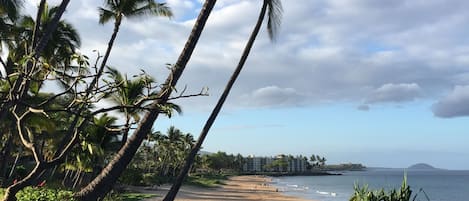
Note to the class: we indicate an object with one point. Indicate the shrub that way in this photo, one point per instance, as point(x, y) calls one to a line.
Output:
point(131, 176)
point(43, 194)
point(403, 194)
point(150, 179)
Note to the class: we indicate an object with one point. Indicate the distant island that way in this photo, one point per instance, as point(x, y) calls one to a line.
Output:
point(421, 166)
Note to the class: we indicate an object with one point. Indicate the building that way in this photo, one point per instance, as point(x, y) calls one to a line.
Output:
point(257, 164)
point(280, 163)
point(297, 164)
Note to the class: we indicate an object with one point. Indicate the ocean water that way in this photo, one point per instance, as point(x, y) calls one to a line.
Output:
point(439, 185)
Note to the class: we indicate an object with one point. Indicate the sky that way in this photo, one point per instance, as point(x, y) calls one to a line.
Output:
point(383, 83)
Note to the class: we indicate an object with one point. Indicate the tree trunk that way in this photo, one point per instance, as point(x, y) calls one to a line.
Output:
point(13, 167)
point(21, 85)
point(90, 88)
point(10, 192)
point(4, 156)
point(117, 24)
point(50, 28)
point(103, 183)
point(125, 131)
point(40, 11)
point(171, 195)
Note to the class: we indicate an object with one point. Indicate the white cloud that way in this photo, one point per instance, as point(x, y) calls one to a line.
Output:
point(273, 96)
point(331, 50)
point(182, 8)
point(455, 104)
point(395, 93)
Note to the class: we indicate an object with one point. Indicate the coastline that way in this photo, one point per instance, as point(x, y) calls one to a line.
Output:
point(248, 188)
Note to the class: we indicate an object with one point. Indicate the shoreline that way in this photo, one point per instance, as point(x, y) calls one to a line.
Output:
point(248, 188)
point(282, 174)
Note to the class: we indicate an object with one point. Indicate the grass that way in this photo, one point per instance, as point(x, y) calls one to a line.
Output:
point(200, 180)
point(206, 180)
point(133, 196)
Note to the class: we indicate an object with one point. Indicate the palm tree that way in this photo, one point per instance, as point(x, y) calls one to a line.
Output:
point(9, 9)
point(103, 183)
point(19, 90)
point(57, 53)
point(117, 9)
point(98, 140)
point(63, 42)
point(169, 148)
point(51, 27)
point(128, 93)
point(9, 12)
point(22, 84)
point(322, 161)
point(274, 8)
point(313, 160)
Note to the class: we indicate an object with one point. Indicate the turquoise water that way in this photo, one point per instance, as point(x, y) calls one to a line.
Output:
point(439, 185)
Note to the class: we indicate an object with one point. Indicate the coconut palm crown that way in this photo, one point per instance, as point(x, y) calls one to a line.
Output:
point(116, 9)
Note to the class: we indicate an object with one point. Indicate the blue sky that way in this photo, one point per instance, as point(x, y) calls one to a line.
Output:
point(383, 83)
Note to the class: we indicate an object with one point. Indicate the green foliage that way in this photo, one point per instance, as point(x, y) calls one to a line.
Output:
point(132, 9)
point(48, 194)
point(149, 179)
point(348, 167)
point(206, 180)
point(64, 126)
point(279, 164)
point(43, 194)
point(135, 196)
point(114, 196)
point(160, 159)
point(132, 176)
point(402, 194)
point(21, 171)
point(222, 161)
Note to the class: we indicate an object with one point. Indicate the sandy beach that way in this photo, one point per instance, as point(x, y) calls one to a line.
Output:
point(247, 188)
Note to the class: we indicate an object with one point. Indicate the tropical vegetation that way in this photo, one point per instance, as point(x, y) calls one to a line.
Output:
point(61, 135)
point(404, 193)
point(61, 138)
point(59, 146)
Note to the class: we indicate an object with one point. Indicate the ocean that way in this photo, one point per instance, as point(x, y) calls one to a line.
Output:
point(439, 185)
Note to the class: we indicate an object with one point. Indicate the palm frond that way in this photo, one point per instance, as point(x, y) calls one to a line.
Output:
point(71, 33)
point(105, 15)
point(175, 107)
point(152, 8)
point(115, 74)
point(10, 8)
point(275, 11)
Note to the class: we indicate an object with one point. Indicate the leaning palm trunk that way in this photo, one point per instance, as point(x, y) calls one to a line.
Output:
point(103, 183)
point(21, 85)
point(171, 195)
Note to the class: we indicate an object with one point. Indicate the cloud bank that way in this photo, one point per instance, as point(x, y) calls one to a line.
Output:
point(327, 51)
point(395, 93)
point(455, 104)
